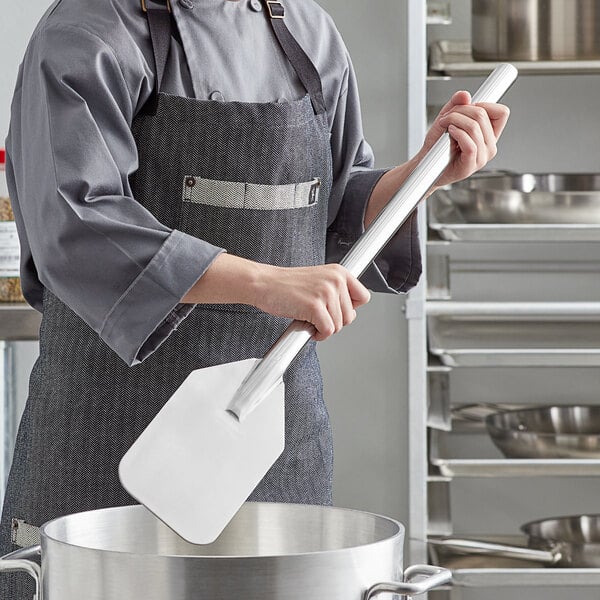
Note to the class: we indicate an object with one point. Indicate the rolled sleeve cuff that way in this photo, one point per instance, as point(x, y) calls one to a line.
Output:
point(397, 268)
point(150, 310)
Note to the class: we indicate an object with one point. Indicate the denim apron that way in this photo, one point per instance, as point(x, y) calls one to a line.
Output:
point(253, 178)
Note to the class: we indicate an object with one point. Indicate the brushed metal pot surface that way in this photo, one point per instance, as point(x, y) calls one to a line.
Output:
point(534, 30)
point(267, 552)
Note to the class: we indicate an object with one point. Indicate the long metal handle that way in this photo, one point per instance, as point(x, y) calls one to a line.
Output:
point(269, 371)
point(477, 547)
point(19, 561)
point(472, 412)
point(434, 577)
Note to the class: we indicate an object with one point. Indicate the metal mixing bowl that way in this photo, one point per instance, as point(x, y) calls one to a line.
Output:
point(529, 198)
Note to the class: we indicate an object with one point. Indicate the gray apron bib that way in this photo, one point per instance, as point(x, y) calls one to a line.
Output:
point(251, 178)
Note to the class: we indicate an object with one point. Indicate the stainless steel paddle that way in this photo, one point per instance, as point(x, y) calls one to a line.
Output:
point(217, 436)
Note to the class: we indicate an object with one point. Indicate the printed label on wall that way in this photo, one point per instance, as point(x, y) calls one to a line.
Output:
point(9, 249)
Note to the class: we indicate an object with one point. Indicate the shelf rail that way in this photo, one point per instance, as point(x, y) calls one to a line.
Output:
point(521, 309)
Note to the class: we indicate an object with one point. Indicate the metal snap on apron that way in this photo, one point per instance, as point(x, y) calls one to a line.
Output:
point(252, 178)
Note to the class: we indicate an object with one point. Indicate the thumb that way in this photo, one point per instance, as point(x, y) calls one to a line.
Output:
point(459, 98)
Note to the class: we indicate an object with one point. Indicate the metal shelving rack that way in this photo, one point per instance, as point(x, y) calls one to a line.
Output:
point(432, 469)
point(18, 322)
point(415, 304)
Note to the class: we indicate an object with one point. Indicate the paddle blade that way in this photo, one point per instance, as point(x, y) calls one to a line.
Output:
point(196, 464)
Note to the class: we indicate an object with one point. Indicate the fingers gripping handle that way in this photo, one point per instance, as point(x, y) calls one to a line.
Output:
point(269, 371)
point(419, 182)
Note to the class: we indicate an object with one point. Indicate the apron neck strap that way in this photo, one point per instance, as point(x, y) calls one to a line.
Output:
point(159, 21)
point(159, 17)
point(305, 69)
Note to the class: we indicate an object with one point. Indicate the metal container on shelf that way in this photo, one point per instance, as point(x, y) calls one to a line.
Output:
point(505, 206)
point(547, 432)
point(535, 30)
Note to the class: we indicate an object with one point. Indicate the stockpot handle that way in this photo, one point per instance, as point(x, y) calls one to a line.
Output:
point(20, 560)
point(435, 577)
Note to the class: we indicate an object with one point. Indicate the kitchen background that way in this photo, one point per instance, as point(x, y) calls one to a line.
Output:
point(554, 127)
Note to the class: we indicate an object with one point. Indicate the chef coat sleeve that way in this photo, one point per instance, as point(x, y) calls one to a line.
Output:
point(93, 245)
point(398, 266)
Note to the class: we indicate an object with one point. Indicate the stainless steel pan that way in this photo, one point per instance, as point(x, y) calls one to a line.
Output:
point(547, 432)
point(524, 198)
point(542, 432)
point(500, 206)
point(572, 541)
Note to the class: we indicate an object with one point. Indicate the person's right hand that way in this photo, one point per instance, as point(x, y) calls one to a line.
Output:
point(325, 296)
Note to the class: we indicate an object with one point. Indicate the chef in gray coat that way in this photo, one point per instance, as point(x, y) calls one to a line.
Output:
point(181, 172)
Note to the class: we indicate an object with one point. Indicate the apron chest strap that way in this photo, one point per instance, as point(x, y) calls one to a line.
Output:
point(304, 67)
point(159, 14)
point(159, 21)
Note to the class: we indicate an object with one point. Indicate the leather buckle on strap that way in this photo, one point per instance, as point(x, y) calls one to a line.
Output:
point(145, 8)
point(276, 9)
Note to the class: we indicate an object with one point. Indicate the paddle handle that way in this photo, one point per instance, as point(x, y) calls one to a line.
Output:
point(269, 371)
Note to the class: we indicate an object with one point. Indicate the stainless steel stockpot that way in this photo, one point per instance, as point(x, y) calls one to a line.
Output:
point(534, 30)
point(267, 552)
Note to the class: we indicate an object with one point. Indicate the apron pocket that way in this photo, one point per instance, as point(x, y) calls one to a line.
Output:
point(280, 225)
point(233, 194)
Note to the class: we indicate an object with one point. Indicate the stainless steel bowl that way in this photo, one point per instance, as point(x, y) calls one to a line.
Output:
point(547, 432)
point(534, 30)
point(543, 198)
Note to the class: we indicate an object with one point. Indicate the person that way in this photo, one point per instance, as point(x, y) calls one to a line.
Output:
point(184, 174)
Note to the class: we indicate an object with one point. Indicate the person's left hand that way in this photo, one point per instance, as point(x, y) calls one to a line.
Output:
point(474, 130)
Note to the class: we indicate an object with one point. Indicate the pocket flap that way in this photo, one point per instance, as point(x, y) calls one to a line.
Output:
point(233, 194)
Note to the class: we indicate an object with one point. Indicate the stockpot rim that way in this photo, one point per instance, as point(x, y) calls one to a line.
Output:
point(400, 533)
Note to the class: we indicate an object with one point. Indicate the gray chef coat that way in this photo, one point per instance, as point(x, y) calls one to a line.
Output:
point(87, 71)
